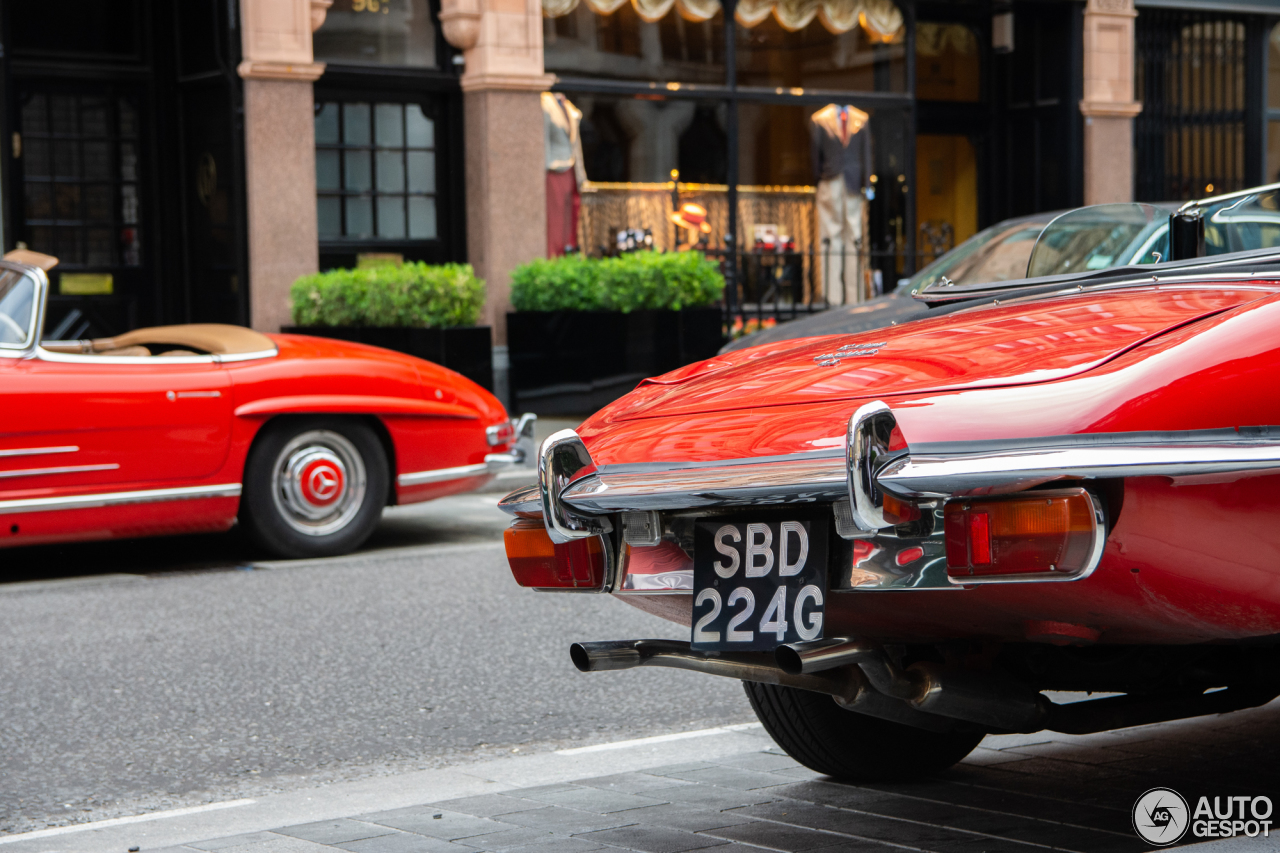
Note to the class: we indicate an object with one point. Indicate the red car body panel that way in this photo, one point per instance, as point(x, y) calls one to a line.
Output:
point(1189, 559)
point(987, 347)
point(159, 425)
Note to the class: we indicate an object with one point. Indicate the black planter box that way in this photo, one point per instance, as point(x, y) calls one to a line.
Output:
point(465, 349)
point(574, 362)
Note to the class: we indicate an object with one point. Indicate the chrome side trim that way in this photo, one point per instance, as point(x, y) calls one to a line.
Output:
point(492, 464)
point(88, 358)
point(63, 469)
point(563, 457)
point(525, 501)
point(958, 474)
point(84, 358)
point(246, 356)
point(38, 451)
point(804, 478)
point(143, 496)
point(866, 446)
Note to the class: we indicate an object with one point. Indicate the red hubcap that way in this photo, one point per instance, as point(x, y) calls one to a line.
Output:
point(321, 482)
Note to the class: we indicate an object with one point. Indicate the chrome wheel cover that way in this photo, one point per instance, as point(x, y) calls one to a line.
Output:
point(318, 482)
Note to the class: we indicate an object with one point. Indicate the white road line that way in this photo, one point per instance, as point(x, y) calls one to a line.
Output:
point(120, 821)
point(645, 741)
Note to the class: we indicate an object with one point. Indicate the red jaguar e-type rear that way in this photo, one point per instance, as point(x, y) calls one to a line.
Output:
point(935, 523)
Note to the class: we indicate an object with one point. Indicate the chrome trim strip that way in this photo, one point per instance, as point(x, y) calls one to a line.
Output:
point(563, 457)
point(526, 501)
point(246, 356)
point(920, 476)
point(866, 444)
point(225, 490)
point(38, 451)
point(64, 469)
point(86, 358)
point(493, 463)
point(805, 479)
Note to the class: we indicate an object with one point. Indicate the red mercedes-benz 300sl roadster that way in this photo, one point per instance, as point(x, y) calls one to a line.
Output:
point(900, 541)
point(180, 429)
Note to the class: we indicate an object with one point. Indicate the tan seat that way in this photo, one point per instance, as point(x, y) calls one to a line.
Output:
point(215, 338)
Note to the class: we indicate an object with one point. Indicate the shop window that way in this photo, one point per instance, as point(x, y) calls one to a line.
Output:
point(622, 46)
point(79, 156)
point(378, 32)
point(813, 57)
point(948, 63)
point(947, 201)
point(375, 172)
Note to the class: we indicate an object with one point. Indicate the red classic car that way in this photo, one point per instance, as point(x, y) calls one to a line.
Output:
point(179, 429)
point(1070, 485)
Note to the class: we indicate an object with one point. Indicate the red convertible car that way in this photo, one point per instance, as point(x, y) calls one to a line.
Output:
point(901, 540)
point(180, 429)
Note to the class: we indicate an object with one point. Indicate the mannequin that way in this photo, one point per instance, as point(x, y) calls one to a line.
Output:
point(843, 166)
point(565, 171)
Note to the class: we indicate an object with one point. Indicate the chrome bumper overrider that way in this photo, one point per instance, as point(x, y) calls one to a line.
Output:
point(575, 497)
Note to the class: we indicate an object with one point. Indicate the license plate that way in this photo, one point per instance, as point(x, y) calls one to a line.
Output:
point(758, 584)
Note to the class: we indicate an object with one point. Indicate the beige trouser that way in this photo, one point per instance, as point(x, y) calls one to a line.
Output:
point(840, 212)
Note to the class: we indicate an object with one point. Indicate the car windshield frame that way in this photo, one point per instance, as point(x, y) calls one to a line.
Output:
point(12, 279)
point(1231, 264)
point(37, 282)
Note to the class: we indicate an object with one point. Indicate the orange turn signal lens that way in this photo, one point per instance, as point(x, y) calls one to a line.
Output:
point(538, 562)
point(899, 512)
point(1035, 533)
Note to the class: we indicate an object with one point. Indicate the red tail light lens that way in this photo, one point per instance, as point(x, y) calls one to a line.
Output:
point(538, 562)
point(1049, 534)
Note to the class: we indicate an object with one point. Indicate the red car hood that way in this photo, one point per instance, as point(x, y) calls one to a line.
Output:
point(981, 347)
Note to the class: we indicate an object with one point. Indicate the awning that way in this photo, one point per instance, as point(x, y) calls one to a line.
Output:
point(880, 19)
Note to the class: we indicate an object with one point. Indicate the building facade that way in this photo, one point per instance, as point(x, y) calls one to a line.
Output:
point(187, 161)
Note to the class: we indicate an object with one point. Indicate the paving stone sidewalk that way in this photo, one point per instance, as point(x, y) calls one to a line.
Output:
point(1015, 793)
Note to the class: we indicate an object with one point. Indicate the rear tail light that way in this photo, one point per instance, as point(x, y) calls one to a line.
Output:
point(500, 434)
point(538, 562)
point(1035, 535)
point(898, 512)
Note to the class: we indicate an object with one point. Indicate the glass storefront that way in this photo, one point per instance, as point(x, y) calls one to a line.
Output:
point(387, 123)
point(802, 156)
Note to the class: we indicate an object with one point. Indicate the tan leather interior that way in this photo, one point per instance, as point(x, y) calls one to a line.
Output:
point(31, 259)
point(195, 338)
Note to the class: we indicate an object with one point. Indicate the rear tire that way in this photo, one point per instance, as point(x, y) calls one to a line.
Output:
point(314, 487)
point(846, 745)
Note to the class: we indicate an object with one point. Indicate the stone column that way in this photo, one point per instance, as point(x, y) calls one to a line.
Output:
point(505, 160)
point(280, 150)
point(1108, 106)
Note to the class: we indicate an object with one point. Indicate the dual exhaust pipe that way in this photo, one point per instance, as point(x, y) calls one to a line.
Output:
point(859, 676)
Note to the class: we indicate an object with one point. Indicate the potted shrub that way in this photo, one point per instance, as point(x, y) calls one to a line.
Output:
point(586, 330)
point(425, 311)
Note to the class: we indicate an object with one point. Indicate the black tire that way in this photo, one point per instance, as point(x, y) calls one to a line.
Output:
point(290, 504)
point(849, 746)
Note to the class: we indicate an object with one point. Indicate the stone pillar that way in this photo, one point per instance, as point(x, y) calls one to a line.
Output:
point(1108, 106)
point(280, 150)
point(505, 160)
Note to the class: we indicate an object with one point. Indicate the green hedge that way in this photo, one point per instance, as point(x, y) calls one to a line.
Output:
point(632, 282)
point(411, 294)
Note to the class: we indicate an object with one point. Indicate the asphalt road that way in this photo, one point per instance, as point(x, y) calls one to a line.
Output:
point(173, 672)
